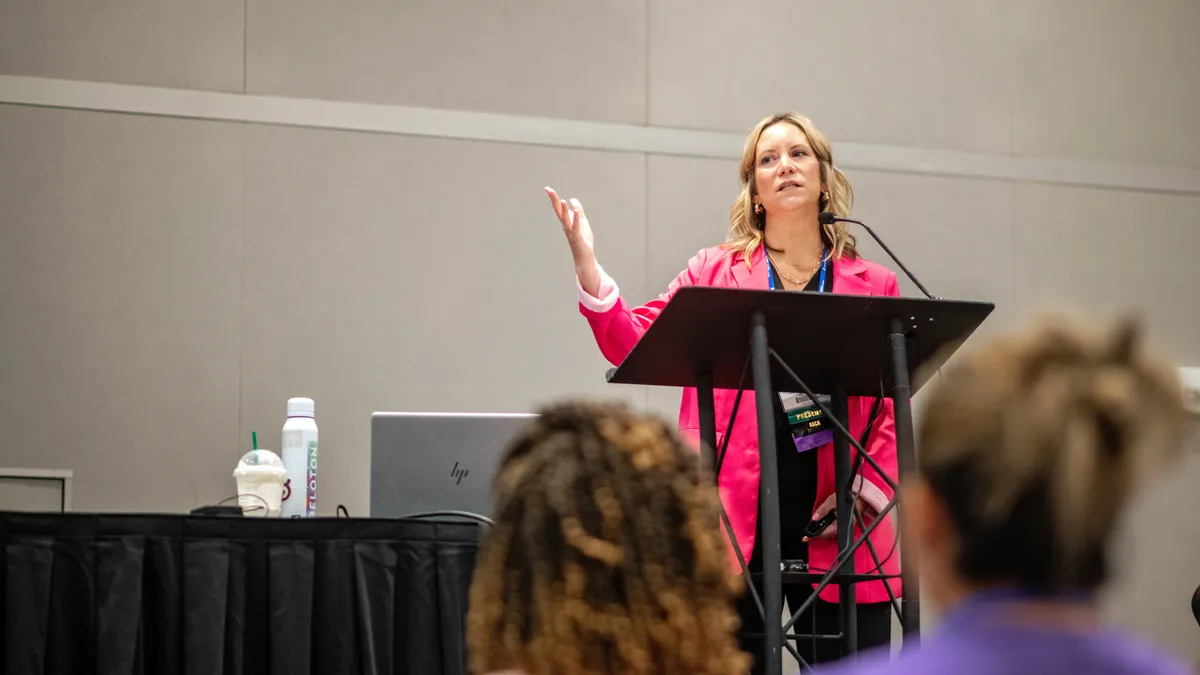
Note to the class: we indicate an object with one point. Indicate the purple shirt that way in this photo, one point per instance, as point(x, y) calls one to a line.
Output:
point(968, 643)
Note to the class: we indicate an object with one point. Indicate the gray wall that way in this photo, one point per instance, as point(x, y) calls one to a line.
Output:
point(166, 283)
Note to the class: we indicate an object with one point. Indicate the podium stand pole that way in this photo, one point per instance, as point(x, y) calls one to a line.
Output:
point(760, 364)
point(906, 461)
point(707, 416)
point(845, 519)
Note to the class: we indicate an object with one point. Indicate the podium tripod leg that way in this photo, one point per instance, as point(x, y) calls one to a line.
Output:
point(906, 458)
point(760, 357)
point(848, 609)
point(707, 416)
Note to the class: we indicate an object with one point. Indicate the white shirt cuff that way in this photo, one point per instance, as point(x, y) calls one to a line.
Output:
point(871, 494)
point(608, 294)
point(868, 491)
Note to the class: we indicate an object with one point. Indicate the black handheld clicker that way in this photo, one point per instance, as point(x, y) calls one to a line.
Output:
point(816, 527)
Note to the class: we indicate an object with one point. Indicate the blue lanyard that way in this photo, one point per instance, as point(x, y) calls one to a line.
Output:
point(820, 284)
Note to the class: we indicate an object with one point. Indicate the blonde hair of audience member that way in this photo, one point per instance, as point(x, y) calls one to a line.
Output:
point(605, 557)
point(747, 226)
point(1029, 450)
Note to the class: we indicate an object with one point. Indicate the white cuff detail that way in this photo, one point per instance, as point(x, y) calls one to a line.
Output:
point(871, 494)
point(868, 491)
point(609, 294)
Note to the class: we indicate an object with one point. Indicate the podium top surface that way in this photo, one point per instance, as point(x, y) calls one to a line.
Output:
point(823, 337)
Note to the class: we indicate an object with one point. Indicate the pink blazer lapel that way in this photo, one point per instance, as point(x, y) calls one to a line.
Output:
point(756, 276)
point(849, 277)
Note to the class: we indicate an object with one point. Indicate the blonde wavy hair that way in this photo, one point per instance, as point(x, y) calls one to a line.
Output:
point(746, 228)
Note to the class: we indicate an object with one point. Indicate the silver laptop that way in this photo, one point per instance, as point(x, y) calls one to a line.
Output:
point(423, 462)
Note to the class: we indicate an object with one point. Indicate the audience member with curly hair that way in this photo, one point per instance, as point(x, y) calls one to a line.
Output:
point(606, 556)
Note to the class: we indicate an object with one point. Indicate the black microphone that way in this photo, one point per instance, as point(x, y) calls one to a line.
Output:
point(828, 218)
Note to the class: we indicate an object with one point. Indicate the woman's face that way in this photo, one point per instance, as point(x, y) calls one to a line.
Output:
point(787, 175)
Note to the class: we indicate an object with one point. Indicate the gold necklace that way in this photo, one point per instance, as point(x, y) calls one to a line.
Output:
point(802, 283)
point(816, 263)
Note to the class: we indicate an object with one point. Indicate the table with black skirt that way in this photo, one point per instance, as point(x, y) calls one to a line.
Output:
point(163, 594)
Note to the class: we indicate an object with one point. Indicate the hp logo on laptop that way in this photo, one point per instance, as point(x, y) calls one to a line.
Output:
point(458, 474)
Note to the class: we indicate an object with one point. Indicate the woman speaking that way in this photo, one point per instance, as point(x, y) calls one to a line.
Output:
point(775, 242)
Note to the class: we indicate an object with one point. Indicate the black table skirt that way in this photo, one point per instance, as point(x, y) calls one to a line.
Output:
point(134, 594)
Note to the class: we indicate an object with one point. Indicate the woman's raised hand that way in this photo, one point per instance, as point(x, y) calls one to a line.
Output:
point(579, 237)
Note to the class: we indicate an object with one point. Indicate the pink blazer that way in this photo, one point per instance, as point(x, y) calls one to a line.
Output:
point(617, 327)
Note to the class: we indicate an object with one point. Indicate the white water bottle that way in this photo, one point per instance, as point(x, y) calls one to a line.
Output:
point(300, 459)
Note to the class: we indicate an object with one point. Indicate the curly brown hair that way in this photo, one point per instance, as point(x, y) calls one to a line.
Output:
point(606, 555)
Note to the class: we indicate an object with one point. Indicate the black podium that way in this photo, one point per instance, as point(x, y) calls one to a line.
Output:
point(711, 338)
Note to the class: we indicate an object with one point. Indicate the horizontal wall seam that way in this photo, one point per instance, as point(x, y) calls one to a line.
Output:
point(563, 133)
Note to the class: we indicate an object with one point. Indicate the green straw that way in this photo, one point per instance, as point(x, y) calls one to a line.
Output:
point(254, 439)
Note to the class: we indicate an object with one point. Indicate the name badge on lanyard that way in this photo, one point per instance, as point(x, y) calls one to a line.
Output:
point(808, 425)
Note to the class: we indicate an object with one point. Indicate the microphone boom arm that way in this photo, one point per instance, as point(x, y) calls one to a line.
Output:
point(827, 217)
